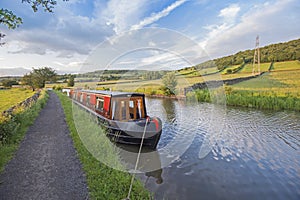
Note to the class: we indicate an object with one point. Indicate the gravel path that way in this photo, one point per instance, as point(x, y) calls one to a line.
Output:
point(46, 165)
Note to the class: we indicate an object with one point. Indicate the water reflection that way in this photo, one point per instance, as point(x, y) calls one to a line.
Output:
point(156, 174)
point(169, 107)
point(149, 162)
point(252, 154)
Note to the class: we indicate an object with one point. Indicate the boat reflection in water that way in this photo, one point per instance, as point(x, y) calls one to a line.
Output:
point(149, 163)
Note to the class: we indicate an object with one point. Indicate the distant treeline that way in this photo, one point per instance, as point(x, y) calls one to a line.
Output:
point(272, 53)
point(106, 75)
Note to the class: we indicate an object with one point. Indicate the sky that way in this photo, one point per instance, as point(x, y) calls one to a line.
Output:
point(82, 35)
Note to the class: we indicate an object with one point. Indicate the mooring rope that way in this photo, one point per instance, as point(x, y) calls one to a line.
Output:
point(137, 160)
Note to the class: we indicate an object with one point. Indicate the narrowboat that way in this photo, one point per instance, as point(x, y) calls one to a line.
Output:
point(122, 114)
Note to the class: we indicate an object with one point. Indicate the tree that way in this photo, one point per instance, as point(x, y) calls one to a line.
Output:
point(9, 83)
point(71, 82)
point(2, 36)
point(170, 83)
point(38, 77)
point(9, 19)
point(28, 80)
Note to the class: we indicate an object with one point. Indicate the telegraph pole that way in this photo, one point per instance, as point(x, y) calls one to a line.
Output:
point(256, 58)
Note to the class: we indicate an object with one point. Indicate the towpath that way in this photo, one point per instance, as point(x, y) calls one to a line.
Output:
point(46, 165)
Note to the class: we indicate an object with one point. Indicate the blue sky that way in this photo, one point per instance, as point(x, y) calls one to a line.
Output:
point(67, 39)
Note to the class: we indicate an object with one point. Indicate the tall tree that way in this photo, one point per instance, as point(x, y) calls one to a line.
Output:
point(170, 83)
point(38, 77)
point(71, 81)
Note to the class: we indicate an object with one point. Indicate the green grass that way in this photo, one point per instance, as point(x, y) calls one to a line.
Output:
point(11, 97)
point(208, 70)
point(288, 65)
point(103, 182)
point(249, 67)
point(17, 127)
point(263, 82)
point(259, 100)
point(230, 68)
point(283, 81)
point(276, 90)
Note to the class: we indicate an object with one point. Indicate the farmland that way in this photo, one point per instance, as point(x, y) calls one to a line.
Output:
point(284, 77)
point(11, 97)
point(283, 80)
point(276, 90)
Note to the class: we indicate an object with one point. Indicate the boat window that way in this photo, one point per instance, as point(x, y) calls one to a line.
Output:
point(131, 110)
point(100, 104)
point(88, 99)
point(127, 109)
point(113, 109)
point(117, 110)
point(139, 103)
point(81, 97)
point(131, 104)
point(124, 110)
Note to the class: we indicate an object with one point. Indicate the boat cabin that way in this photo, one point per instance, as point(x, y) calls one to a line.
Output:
point(120, 106)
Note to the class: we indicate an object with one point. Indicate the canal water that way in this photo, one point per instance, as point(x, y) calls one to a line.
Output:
point(217, 152)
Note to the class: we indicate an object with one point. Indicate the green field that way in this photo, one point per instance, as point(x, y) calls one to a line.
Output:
point(283, 80)
point(11, 97)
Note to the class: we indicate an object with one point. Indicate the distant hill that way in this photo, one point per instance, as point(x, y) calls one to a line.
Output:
point(272, 53)
point(13, 71)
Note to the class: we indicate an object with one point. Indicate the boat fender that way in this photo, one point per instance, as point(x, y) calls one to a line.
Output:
point(156, 122)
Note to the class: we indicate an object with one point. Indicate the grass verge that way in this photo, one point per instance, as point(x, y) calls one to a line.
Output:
point(19, 123)
point(252, 99)
point(103, 181)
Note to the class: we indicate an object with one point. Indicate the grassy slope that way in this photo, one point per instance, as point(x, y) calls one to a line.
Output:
point(283, 80)
point(103, 181)
point(276, 90)
point(11, 97)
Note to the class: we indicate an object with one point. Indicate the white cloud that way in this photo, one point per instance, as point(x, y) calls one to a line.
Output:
point(121, 14)
point(229, 13)
point(156, 16)
point(147, 47)
point(67, 36)
point(68, 67)
point(64, 32)
point(129, 15)
point(276, 22)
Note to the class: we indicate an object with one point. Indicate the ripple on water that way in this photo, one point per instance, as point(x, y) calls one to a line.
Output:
point(249, 151)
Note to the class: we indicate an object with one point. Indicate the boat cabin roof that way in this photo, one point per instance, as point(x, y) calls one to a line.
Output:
point(114, 93)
